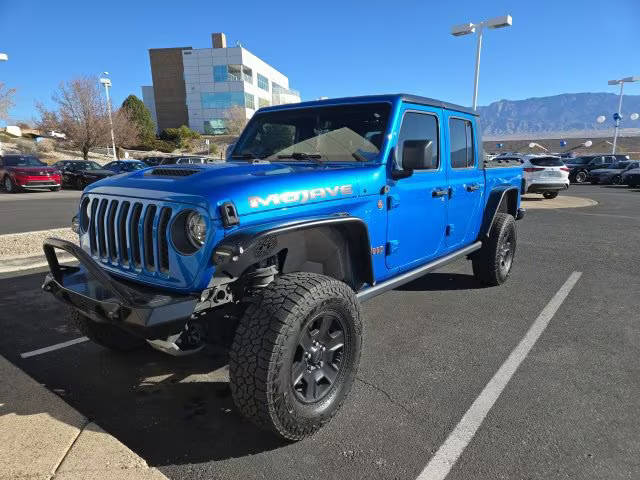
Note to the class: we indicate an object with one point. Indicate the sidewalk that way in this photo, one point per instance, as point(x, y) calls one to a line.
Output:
point(42, 438)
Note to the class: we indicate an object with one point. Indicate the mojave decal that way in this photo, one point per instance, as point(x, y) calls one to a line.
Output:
point(299, 196)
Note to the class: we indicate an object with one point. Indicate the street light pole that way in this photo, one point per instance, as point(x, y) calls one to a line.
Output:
point(466, 29)
point(107, 83)
point(477, 72)
point(618, 114)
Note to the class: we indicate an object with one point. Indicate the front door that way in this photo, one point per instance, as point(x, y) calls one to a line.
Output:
point(466, 181)
point(417, 205)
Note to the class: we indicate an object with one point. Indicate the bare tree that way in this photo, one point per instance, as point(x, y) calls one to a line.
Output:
point(125, 130)
point(6, 100)
point(235, 119)
point(80, 113)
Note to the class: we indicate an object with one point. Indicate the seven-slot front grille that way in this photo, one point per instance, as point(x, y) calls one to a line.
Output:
point(122, 233)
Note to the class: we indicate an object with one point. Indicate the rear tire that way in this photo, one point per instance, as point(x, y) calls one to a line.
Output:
point(581, 177)
point(616, 180)
point(282, 378)
point(104, 334)
point(492, 263)
point(549, 195)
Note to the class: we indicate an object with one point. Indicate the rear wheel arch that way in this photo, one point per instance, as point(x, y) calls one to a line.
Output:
point(502, 200)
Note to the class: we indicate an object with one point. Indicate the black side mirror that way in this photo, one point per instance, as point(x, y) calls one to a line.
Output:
point(396, 173)
point(417, 154)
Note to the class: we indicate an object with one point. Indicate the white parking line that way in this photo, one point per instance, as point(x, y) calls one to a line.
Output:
point(447, 455)
point(51, 348)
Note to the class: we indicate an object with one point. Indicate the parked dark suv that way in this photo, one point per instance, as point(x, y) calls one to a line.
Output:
point(580, 167)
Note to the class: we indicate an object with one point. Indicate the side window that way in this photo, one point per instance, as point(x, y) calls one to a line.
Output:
point(421, 126)
point(461, 141)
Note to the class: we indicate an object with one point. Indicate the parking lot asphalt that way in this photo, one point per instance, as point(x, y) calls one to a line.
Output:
point(571, 409)
point(36, 210)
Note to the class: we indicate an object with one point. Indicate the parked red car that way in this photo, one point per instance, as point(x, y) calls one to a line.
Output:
point(18, 172)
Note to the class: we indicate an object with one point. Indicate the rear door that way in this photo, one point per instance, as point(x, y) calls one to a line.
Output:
point(466, 181)
point(417, 205)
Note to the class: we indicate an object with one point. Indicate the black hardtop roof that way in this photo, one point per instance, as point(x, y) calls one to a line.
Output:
point(431, 102)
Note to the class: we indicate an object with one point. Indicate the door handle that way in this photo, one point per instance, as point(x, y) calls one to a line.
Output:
point(440, 192)
point(472, 187)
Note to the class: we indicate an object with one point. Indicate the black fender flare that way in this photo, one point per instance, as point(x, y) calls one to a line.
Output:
point(503, 198)
point(246, 247)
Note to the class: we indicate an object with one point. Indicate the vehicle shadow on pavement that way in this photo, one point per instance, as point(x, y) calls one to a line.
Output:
point(169, 410)
point(441, 282)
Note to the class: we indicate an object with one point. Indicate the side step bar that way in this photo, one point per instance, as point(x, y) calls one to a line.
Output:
point(411, 275)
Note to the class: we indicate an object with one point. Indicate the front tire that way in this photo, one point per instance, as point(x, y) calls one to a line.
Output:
point(9, 185)
point(492, 263)
point(104, 334)
point(616, 180)
point(550, 195)
point(295, 354)
point(55, 189)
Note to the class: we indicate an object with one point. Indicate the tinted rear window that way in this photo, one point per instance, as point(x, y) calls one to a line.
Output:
point(547, 162)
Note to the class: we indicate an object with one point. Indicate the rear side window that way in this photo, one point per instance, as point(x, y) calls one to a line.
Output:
point(420, 126)
point(547, 162)
point(461, 138)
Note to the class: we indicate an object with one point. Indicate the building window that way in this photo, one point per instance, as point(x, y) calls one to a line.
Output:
point(222, 99)
point(263, 82)
point(249, 101)
point(247, 74)
point(263, 102)
point(234, 73)
point(220, 73)
point(215, 126)
point(461, 138)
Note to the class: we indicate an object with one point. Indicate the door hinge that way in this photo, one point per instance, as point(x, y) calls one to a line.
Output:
point(393, 201)
point(392, 246)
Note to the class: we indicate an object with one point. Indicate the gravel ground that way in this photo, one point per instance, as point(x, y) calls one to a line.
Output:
point(29, 244)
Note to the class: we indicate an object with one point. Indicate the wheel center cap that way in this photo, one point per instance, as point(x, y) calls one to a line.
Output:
point(316, 355)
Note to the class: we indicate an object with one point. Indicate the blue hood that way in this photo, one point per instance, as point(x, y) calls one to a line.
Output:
point(251, 187)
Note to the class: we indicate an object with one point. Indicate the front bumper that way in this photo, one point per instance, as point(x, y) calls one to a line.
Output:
point(546, 187)
point(146, 312)
point(37, 181)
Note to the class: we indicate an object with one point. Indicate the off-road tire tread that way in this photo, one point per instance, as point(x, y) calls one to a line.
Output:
point(485, 261)
point(256, 358)
point(103, 334)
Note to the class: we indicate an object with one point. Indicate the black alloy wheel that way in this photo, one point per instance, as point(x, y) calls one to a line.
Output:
point(317, 360)
point(581, 177)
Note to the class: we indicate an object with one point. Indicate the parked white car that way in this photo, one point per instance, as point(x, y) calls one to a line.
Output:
point(545, 174)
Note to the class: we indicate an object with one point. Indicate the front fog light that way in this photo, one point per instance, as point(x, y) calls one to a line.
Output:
point(196, 229)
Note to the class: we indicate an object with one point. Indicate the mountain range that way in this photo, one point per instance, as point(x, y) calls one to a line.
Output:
point(573, 113)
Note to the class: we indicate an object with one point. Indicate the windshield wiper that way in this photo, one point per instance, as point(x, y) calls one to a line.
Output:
point(244, 156)
point(302, 156)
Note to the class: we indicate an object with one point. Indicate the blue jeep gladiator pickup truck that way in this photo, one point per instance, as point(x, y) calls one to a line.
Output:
point(320, 206)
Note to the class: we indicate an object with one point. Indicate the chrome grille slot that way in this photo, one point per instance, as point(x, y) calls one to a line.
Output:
point(134, 237)
point(102, 248)
point(112, 247)
point(122, 234)
point(92, 226)
point(163, 245)
point(147, 237)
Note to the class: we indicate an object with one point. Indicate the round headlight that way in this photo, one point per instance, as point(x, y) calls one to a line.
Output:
point(196, 229)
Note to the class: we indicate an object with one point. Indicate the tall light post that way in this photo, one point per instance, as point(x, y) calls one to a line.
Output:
point(618, 115)
point(107, 83)
point(466, 29)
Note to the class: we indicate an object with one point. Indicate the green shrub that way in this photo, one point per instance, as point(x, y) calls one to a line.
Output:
point(163, 146)
point(179, 136)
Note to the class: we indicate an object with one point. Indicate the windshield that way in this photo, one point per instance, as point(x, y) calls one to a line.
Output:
point(335, 134)
point(84, 166)
point(578, 161)
point(23, 161)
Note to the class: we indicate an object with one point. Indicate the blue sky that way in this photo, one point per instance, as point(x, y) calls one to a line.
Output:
point(330, 48)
